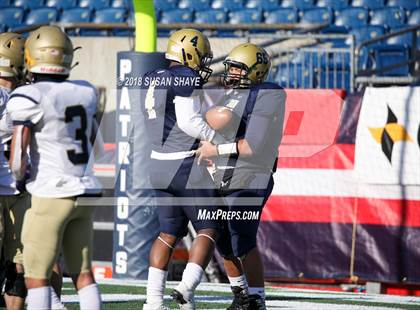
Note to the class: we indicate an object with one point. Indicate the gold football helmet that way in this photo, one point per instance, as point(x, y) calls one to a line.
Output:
point(48, 50)
point(191, 48)
point(11, 55)
point(254, 64)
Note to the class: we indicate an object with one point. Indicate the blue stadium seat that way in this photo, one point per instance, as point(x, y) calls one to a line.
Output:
point(111, 15)
point(316, 16)
point(94, 4)
point(125, 32)
point(391, 17)
point(333, 4)
point(294, 76)
point(298, 4)
point(61, 4)
point(267, 5)
point(11, 17)
point(387, 55)
point(165, 5)
point(247, 16)
point(123, 4)
point(4, 4)
point(177, 16)
point(414, 18)
point(196, 5)
point(230, 5)
point(406, 4)
point(41, 16)
point(210, 17)
point(367, 33)
point(370, 4)
point(363, 58)
point(352, 17)
point(29, 4)
point(78, 15)
point(282, 16)
point(403, 39)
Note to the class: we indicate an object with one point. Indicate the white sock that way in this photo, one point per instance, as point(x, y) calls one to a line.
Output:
point(156, 285)
point(55, 301)
point(39, 298)
point(257, 291)
point(192, 275)
point(90, 298)
point(239, 281)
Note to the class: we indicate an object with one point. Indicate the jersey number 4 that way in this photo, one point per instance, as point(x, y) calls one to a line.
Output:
point(150, 101)
point(80, 134)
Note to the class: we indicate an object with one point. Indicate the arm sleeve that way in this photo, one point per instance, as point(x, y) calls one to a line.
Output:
point(16, 160)
point(24, 106)
point(189, 118)
point(269, 107)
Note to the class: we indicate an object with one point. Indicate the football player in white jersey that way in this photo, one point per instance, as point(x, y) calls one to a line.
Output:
point(13, 203)
point(55, 118)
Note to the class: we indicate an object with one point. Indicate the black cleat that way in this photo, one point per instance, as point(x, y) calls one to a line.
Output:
point(256, 303)
point(240, 299)
point(177, 297)
point(183, 303)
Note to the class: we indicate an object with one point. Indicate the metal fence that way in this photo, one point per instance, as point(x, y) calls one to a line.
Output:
point(316, 68)
point(322, 60)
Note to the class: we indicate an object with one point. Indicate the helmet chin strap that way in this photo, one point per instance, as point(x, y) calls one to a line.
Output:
point(235, 80)
point(75, 65)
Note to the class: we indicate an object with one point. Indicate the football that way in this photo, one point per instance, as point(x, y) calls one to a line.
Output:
point(218, 117)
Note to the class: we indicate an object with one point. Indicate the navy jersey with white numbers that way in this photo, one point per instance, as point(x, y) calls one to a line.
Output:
point(159, 91)
point(258, 115)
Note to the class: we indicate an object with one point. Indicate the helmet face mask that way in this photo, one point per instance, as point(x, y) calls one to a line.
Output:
point(205, 71)
point(254, 62)
point(235, 75)
point(191, 48)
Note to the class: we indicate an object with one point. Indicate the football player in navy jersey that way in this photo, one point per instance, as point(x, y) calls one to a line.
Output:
point(251, 120)
point(171, 106)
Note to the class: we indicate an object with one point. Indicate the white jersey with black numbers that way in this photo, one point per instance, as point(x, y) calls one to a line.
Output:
point(60, 115)
point(7, 181)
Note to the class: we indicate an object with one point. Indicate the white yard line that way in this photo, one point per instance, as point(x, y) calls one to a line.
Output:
point(276, 304)
point(284, 293)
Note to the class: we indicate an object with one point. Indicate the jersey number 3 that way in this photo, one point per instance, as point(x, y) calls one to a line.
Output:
point(80, 134)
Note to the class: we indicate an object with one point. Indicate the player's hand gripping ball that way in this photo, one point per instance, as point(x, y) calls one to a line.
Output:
point(218, 117)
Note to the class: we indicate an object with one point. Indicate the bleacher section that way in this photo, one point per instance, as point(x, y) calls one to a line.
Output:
point(349, 14)
point(365, 19)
